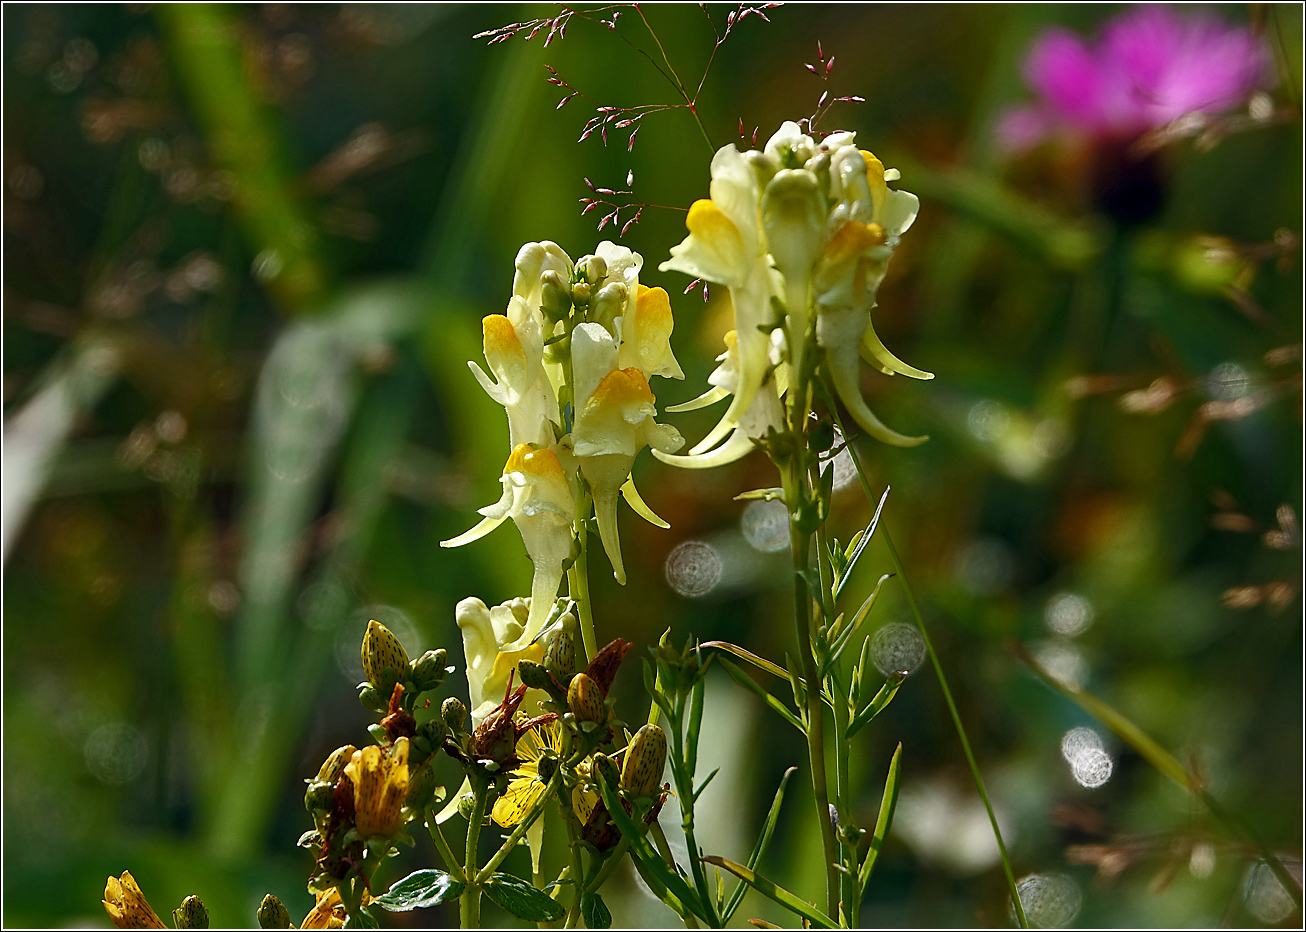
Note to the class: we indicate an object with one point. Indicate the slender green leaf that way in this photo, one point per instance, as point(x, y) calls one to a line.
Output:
point(779, 894)
point(759, 849)
point(876, 705)
point(846, 638)
point(703, 786)
point(419, 890)
point(861, 546)
point(888, 802)
point(765, 495)
point(694, 726)
point(595, 911)
point(643, 851)
point(760, 662)
point(746, 681)
point(522, 900)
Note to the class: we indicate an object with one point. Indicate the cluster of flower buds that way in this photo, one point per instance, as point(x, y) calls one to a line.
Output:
point(577, 703)
point(571, 362)
point(363, 798)
point(801, 233)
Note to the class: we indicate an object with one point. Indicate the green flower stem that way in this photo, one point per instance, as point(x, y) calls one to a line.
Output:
point(956, 721)
point(578, 580)
point(442, 845)
point(843, 797)
point(800, 544)
point(520, 829)
point(469, 904)
point(577, 871)
point(943, 684)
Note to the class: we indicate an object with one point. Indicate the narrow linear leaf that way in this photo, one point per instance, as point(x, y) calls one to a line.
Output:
point(876, 705)
point(888, 802)
point(846, 638)
point(703, 786)
point(759, 849)
point(595, 911)
point(777, 893)
point(639, 846)
point(744, 680)
point(861, 545)
point(522, 900)
point(760, 662)
point(419, 890)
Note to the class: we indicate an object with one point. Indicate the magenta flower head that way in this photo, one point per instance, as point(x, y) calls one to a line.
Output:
point(1151, 66)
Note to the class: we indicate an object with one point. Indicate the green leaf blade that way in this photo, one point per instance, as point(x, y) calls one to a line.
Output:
point(419, 890)
point(518, 897)
point(777, 893)
point(888, 803)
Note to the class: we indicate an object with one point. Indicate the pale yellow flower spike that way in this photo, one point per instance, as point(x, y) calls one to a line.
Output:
point(127, 906)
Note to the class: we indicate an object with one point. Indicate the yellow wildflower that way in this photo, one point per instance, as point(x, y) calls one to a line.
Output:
point(127, 906)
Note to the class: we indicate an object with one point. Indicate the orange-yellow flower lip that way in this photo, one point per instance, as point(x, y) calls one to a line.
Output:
point(541, 463)
point(621, 387)
point(500, 336)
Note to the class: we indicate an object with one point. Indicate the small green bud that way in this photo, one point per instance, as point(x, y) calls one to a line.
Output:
point(454, 713)
point(467, 805)
point(555, 295)
point(191, 914)
point(534, 675)
point(545, 767)
point(429, 670)
point(580, 293)
point(272, 914)
point(318, 796)
point(382, 651)
point(421, 787)
point(560, 651)
point(433, 730)
point(605, 768)
point(371, 699)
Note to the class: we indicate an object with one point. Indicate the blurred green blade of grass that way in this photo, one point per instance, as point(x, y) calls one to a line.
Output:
point(243, 139)
point(306, 399)
point(1163, 761)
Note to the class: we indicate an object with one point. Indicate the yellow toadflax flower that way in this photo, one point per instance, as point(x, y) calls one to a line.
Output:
point(812, 226)
point(538, 498)
point(127, 906)
point(615, 423)
point(329, 911)
point(493, 645)
point(514, 349)
point(380, 779)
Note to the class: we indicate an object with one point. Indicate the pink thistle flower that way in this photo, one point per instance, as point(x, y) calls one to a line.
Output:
point(1149, 67)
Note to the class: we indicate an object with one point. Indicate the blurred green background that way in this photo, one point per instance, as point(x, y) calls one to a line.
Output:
point(247, 250)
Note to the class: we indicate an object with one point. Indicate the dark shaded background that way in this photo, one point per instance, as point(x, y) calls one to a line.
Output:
point(259, 430)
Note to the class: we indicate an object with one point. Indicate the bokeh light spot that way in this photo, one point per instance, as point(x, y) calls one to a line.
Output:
point(693, 569)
